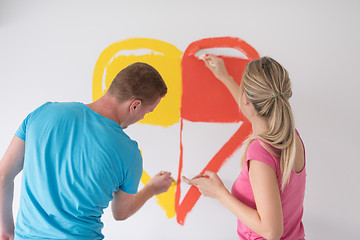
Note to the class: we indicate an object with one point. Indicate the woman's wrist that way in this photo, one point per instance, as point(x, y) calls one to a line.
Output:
point(223, 195)
point(226, 79)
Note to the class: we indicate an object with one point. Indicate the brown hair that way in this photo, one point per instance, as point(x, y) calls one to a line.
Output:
point(138, 81)
point(267, 85)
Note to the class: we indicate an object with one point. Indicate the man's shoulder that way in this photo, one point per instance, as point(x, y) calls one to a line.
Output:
point(60, 106)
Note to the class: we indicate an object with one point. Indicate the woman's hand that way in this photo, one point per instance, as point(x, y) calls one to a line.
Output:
point(216, 66)
point(209, 184)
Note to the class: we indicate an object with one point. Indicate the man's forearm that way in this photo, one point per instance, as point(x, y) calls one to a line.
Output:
point(124, 204)
point(140, 199)
point(10, 165)
point(6, 213)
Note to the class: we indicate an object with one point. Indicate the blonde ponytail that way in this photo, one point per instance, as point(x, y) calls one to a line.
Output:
point(267, 85)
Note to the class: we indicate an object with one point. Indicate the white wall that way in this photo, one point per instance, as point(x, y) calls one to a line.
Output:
point(48, 50)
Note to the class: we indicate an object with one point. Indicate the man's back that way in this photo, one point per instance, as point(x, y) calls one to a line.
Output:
point(74, 160)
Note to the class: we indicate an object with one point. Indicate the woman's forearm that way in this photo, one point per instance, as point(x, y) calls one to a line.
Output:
point(249, 216)
point(233, 87)
point(244, 213)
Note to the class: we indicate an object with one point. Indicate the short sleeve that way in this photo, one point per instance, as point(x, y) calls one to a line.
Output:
point(257, 152)
point(133, 174)
point(21, 132)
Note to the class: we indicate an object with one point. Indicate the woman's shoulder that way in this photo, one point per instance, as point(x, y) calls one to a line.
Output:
point(260, 148)
point(258, 145)
point(257, 152)
point(255, 145)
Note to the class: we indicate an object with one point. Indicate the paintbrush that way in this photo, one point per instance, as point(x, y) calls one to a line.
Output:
point(203, 57)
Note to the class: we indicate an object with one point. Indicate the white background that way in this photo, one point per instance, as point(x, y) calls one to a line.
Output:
point(48, 51)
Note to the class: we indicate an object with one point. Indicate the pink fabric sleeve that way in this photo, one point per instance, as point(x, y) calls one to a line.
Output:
point(257, 152)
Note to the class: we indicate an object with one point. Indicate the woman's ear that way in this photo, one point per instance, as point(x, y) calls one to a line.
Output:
point(135, 104)
point(248, 107)
point(245, 99)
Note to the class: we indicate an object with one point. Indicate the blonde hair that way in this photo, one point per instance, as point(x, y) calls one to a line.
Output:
point(267, 85)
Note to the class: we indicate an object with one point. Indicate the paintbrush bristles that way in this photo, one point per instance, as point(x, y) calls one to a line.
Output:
point(202, 57)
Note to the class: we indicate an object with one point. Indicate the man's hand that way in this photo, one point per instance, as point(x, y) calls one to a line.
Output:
point(124, 204)
point(160, 183)
point(7, 237)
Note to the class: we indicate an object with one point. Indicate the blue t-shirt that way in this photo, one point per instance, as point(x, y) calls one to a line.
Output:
point(75, 159)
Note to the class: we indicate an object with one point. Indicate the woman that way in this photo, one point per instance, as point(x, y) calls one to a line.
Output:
point(267, 197)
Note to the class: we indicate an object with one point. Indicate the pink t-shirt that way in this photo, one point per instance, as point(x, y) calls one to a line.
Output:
point(292, 197)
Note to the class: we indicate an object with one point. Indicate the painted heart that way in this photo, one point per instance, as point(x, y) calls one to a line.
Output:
point(194, 96)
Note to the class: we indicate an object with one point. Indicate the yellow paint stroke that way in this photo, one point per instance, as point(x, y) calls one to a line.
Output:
point(165, 200)
point(166, 58)
point(163, 56)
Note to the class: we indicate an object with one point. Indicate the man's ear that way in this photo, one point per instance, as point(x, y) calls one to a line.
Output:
point(135, 104)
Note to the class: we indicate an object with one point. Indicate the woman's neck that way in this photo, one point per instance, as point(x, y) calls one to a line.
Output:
point(259, 125)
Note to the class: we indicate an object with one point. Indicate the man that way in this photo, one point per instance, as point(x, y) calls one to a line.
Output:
point(76, 158)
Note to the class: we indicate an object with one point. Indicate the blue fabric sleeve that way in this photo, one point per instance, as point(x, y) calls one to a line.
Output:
point(133, 175)
point(21, 132)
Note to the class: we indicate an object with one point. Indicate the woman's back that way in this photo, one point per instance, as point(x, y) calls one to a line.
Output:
point(292, 198)
point(299, 155)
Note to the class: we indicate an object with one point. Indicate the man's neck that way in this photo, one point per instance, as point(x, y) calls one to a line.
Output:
point(107, 106)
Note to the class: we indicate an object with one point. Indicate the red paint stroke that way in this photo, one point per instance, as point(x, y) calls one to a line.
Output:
point(192, 196)
point(206, 99)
